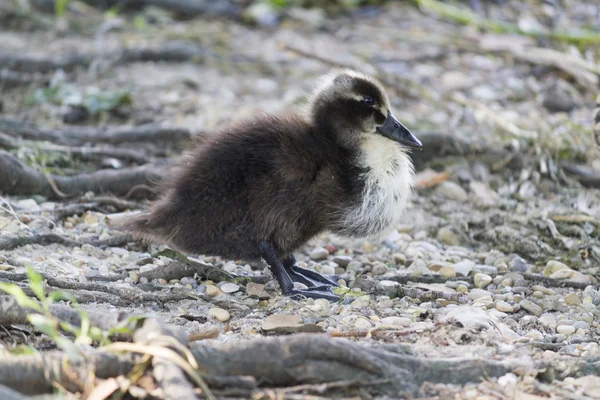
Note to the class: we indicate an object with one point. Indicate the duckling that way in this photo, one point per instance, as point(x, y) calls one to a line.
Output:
point(261, 188)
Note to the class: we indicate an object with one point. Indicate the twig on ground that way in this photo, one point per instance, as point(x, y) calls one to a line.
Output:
point(492, 116)
point(429, 295)
point(554, 282)
point(178, 270)
point(98, 203)
point(211, 334)
point(583, 174)
point(375, 333)
point(7, 208)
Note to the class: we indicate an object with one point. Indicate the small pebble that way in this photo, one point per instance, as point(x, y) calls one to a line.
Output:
point(565, 329)
point(319, 253)
point(212, 291)
point(229, 287)
point(553, 266)
point(396, 321)
point(531, 307)
point(219, 313)
point(447, 272)
point(504, 307)
point(327, 270)
point(517, 264)
point(379, 268)
point(464, 267)
point(399, 258)
point(581, 325)
point(462, 289)
point(482, 280)
point(354, 265)
point(572, 299)
point(506, 282)
point(362, 323)
point(342, 261)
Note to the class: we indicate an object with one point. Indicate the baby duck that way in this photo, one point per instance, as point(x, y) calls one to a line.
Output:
point(262, 188)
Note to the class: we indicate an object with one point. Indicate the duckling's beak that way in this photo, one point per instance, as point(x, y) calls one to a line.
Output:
point(393, 129)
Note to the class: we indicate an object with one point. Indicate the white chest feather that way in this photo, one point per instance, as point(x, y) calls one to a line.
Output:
point(388, 186)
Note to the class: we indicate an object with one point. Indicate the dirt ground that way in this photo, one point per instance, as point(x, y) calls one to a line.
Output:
point(498, 256)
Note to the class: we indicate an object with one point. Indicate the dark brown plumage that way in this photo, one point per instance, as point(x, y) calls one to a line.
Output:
point(261, 188)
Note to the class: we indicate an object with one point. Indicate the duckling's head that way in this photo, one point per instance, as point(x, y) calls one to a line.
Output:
point(352, 106)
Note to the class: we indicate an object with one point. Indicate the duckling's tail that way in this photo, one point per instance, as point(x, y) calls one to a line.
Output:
point(152, 226)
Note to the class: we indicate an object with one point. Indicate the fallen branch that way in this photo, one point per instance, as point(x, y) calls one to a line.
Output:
point(23, 180)
point(178, 270)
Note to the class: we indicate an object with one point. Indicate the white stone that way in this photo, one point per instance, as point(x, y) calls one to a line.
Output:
point(504, 306)
point(229, 287)
point(395, 321)
point(565, 329)
point(319, 253)
point(28, 205)
point(464, 267)
point(482, 280)
point(362, 323)
point(219, 313)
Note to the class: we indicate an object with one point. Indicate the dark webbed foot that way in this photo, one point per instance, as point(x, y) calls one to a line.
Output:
point(305, 276)
point(287, 272)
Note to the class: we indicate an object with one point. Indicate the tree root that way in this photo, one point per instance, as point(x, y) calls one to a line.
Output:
point(314, 359)
point(10, 79)
point(22, 180)
point(274, 362)
point(14, 314)
point(38, 373)
point(81, 135)
point(85, 153)
point(45, 239)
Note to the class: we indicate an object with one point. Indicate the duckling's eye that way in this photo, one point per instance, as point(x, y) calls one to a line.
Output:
point(368, 100)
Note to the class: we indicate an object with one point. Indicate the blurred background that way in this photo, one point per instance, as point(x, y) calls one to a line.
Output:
point(501, 92)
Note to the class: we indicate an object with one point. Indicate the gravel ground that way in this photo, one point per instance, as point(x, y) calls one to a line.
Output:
point(498, 261)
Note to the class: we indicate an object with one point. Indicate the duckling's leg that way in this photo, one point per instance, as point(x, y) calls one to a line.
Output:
point(304, 275)
point(285, 281)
